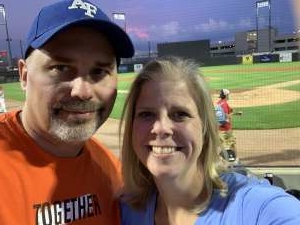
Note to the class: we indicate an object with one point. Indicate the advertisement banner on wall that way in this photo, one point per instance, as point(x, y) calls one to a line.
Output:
point(285, 57)
point(3, 58)
point(122, 69)
point(137, 67)
point(247, 59)
point(265, 58)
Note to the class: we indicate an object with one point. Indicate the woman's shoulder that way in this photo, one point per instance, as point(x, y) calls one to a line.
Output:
point(249, 185)
point(254, 198)
point(237, 180)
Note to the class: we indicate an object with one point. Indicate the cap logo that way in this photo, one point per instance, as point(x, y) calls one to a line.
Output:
point(90, 9)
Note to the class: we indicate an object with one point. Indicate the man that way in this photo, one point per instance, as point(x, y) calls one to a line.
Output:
point(228, 151)
point(52, 171)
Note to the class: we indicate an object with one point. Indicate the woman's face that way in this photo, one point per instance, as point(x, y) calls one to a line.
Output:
point(167, 130)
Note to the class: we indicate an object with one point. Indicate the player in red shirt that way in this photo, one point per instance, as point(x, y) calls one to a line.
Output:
point(228, 141)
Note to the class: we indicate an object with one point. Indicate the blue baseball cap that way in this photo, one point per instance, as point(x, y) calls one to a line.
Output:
point(56, 17)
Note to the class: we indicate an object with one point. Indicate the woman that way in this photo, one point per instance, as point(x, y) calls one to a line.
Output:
point(170, 160)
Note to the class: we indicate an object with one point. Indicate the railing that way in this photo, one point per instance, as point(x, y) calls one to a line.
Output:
point(9, 76)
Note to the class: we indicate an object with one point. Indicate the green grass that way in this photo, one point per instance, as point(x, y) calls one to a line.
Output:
point(295, 87)
point(249, 76)
point(268, 117)
point(235, 78)
point(124, 80)
point(118, 107)
point(14, 91)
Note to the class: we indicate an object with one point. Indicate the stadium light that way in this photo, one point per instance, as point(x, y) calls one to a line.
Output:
point(262, 4)
point(120, 16)
point(2, 10)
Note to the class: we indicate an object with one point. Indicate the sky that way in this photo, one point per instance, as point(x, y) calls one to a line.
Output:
point(156, 21)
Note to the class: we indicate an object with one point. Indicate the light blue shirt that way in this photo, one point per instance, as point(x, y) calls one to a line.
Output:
point(250, 201)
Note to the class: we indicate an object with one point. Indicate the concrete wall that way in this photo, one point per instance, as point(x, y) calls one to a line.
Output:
point(285, 177)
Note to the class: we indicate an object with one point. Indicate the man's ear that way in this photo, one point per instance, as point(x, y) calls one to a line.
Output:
point(22, 66)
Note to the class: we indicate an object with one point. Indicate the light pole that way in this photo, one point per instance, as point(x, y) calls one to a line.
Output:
point(263, 4)
point(2, 10)
point(21, 48)
point(120, 16)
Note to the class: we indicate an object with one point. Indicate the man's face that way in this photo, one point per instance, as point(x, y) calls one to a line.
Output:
point(70, 85)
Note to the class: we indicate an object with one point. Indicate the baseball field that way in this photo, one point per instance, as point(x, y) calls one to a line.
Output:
point(267, 95)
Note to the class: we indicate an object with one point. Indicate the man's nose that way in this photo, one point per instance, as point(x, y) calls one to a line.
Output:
point(81, 88)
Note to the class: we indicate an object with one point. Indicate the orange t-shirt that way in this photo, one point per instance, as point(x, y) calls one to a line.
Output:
point(39, 188)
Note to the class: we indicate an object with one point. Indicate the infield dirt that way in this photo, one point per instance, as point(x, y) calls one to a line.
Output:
point(278, 147)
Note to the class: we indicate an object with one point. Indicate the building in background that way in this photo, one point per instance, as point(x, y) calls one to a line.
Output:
point(246, 43)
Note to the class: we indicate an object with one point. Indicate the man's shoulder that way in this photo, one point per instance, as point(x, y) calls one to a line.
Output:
point(8, 120)
point(105, 162)
point(101, 153)
point(95, 145)
point(6, 115)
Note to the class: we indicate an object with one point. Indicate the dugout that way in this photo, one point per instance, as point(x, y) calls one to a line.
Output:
point(9, 76)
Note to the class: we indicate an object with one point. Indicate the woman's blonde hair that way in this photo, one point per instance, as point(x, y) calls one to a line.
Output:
point(138, 181)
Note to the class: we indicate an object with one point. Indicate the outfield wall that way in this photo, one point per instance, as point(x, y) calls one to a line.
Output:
point(204, 60)
point(197, 50)
point(223, 60)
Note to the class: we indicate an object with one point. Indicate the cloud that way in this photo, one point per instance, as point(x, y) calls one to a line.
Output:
point(163, 31)
point(171, 28)
point(245, 23)
point(140, 33)
point(174, 29)
point(168, 29)
point(214, 25)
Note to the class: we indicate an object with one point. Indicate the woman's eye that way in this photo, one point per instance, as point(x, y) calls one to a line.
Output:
point(180, 116)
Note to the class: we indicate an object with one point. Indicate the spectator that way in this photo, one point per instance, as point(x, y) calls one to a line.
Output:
point(170, 162)
point(2, 101)
point(52, 170)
